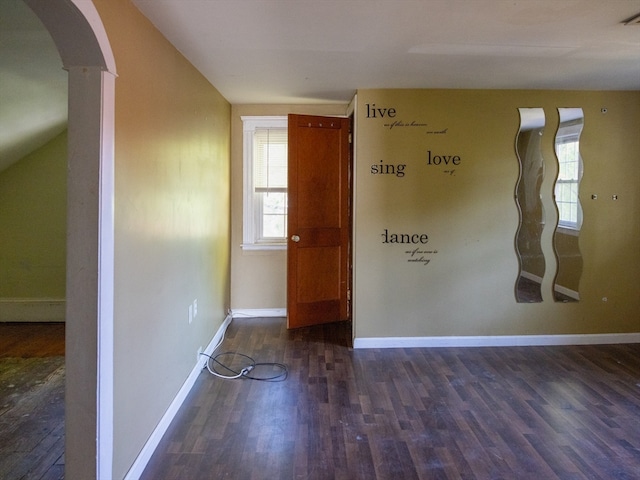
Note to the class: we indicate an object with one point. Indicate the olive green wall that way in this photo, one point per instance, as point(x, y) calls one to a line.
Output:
point(461, 283)
point(172, 205)
point(33, 202)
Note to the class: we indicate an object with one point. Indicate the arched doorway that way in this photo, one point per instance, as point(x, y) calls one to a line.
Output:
point(79, 35)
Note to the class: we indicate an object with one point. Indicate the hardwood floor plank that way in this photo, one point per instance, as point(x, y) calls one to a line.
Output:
point(33, 339)
point(31, 417)
point(468, 413)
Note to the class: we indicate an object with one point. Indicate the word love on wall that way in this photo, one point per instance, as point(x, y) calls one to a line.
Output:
point(398, 169)
point(414, 243)
point(447, 162)
point(444, 160)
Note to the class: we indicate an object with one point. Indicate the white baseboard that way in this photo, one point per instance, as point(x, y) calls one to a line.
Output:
point(258, 312)
point(531, 276)
point(558, 288)
point(32, 309)
point(568, 292)
point(136, 470)
point(495, 341)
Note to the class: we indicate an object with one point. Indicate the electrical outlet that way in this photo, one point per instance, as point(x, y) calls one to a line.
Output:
point(195, 308)
point(190, 314)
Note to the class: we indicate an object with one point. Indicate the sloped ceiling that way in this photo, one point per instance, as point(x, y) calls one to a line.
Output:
point(33, 85)
point(277, 51)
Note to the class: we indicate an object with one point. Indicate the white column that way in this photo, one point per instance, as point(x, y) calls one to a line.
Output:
point(89, 322)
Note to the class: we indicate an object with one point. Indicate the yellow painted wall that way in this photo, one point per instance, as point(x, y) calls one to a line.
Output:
point(259, 277)
point(469, 215)
point(172, 208)
point(33, 202)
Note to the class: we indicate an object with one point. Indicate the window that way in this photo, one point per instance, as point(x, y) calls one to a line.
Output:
point(265, 182)
point(570, 171)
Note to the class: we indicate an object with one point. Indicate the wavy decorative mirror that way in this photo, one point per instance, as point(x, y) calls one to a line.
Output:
point(527, 196)
point(567, 188)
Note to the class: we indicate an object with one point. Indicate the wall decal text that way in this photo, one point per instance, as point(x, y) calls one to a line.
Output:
point(400, 123)
point(380, 112)
point(416, 253)
point(418, 256)
point(374, 111)
point(443, 159)
point(388, 169)
point(411, 238)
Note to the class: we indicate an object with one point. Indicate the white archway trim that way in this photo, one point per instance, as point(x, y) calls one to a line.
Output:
point(78, 32)
point(106, 261)
point(90, 245)
point(88, 10)
point(81, 39)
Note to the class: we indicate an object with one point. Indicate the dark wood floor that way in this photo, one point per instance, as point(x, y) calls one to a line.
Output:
point(431, 413)
point(31, 401)
point(31, 340)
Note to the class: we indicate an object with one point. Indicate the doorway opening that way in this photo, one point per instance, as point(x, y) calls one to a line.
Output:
point(319, 226)
point(81, 40)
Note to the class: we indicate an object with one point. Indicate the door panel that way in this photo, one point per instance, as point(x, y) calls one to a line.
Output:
point(318, 179)
point(318, 220)
point(313, 288)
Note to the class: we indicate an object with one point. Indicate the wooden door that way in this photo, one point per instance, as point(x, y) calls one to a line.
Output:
point(318, 254)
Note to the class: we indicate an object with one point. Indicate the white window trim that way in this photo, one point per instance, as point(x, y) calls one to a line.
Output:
point(249, 125)
point(566, 135)
point(568, 230)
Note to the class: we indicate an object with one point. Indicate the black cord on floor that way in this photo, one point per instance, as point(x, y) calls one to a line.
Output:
point(214, 364)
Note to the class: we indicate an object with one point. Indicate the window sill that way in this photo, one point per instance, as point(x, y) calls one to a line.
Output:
point(568, 231)
point(263, 246)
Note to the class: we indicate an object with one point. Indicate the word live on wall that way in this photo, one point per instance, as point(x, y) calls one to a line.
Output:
point(415, 243)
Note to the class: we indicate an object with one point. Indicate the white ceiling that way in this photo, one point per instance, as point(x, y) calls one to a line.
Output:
point(304, 51)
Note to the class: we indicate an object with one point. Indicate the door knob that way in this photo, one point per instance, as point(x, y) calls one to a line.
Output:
point(295, 238)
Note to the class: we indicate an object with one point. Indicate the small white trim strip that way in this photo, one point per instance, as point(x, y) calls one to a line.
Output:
point(497, 341)
point(568, 292)
point(531, 276)
point(32, 309)
point(258, 312)
point(264, 246)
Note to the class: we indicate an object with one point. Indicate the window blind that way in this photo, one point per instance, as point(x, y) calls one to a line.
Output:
point(270, 165)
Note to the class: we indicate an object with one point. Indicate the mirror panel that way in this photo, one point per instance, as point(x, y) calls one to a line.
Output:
point(527, 196)
point(566, 193)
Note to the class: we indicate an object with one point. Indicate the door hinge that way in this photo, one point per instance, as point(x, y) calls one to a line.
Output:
point(348, 294)
point(350, 137)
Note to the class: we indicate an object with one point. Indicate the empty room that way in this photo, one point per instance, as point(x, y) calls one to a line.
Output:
point(327, 239)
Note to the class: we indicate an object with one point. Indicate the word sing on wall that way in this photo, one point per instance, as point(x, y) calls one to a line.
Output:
point(388, 169)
